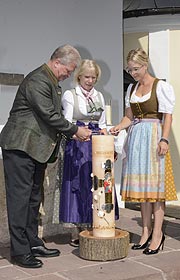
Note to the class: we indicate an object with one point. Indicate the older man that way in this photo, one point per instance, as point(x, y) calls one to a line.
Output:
point(29, 140)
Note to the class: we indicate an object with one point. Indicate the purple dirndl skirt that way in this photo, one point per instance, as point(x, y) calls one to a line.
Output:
point(76, 194)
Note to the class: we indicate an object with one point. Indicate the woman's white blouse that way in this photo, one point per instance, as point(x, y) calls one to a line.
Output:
point(68, 105)
point(165, 96)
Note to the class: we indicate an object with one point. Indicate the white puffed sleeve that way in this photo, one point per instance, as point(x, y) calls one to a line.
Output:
point(68, 105)
point(127, 98)
point(166, 97)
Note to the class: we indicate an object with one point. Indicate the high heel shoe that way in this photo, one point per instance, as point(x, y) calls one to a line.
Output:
point(143, 246)
point(74, 242)
point(149, 251)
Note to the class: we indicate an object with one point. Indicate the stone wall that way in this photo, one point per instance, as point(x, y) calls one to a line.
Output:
point(4, 234)
point(46, 229)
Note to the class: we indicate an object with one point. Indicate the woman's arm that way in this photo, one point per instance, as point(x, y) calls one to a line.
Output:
point(124, 123)
point(163, 145)
point(68, 105)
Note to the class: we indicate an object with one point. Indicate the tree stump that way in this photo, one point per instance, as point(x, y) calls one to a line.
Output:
point(103, 248)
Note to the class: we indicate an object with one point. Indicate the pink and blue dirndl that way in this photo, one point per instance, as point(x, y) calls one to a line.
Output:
point(146, 177)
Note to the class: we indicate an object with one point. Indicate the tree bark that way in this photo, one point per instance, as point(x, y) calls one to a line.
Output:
point(103, 248)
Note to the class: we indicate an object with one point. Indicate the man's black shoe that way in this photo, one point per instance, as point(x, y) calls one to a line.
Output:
point(42, 251)
point(28, 261)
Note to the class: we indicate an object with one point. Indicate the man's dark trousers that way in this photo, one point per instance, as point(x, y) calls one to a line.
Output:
point(24, 178)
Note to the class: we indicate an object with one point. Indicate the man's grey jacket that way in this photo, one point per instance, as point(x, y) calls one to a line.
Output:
point(36, 123)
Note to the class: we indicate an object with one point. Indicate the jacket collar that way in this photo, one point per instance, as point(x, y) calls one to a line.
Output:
point(50, 74)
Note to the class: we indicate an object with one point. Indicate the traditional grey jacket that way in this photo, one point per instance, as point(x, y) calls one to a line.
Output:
point(36, 123)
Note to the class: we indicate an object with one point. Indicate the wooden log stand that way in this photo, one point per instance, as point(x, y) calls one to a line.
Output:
point(103, 248)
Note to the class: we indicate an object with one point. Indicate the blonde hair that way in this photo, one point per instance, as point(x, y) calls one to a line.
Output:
point(87, 64)
point(138, 55)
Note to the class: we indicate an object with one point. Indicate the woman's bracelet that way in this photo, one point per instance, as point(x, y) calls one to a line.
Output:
point(164, 140)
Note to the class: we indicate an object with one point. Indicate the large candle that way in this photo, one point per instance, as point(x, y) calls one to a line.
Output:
point(103, 185)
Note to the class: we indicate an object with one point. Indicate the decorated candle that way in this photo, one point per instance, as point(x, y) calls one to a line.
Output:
point(103, 185)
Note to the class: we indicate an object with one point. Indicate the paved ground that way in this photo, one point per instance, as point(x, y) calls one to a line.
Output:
point(69, 266)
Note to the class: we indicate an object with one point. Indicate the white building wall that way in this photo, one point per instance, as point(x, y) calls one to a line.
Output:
point(31, 30)
point(159, 53)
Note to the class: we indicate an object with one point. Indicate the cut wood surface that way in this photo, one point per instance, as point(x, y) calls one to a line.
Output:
point(103, 248)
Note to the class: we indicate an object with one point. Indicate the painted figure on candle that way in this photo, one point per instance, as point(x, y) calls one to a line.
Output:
point(108, 177)
point(108, 184)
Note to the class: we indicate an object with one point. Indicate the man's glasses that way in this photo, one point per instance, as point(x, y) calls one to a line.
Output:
point(134, 69)
point(69, 68)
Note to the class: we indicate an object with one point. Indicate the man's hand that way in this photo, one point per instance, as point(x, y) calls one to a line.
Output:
point(83, 134)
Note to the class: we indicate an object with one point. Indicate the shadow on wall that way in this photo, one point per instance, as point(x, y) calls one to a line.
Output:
point(105, 75)
point(102, 83)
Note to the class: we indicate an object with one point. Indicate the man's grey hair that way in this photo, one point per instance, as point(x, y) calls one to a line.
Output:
point(67, 54)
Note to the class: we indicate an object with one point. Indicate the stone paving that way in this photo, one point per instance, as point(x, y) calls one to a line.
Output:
point(69, 266)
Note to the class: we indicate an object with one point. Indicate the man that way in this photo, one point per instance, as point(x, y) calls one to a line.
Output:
point(29, 140)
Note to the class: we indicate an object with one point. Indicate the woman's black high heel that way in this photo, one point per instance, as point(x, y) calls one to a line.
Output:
point(148, 251)
point(143, 246)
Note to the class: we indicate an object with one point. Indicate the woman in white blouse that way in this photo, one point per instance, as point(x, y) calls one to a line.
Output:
point(147, 175)
point(84, 106)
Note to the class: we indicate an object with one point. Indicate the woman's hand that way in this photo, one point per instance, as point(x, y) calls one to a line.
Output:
point(115, 156)
point(163, 143)
point(115, 130)
point(162, 148)
point(124, 123)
